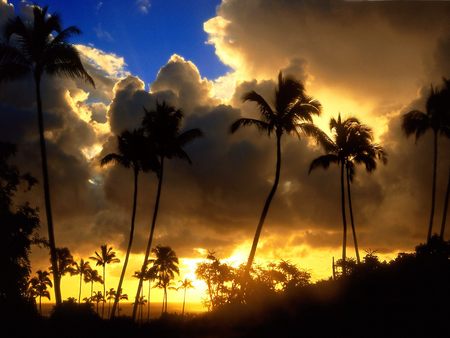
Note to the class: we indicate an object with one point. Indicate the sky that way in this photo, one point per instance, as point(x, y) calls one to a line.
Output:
point(372, 60)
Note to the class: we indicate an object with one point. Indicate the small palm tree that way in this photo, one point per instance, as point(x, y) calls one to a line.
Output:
point(92, 276)
point(291, 114)
point(65, 263)
point(166, 266)
point(105, 257)
point(435, 118)
point(352, 144)
point(31, 47)
point(110, 295)
point(120, 297)
point(185, 284)
point(39, 286)
point(81, 269)
point(133, 153)
point(163, 129)
point(150, 276)
point(97, 298)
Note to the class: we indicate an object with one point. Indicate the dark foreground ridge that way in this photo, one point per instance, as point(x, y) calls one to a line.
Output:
point(407, 297)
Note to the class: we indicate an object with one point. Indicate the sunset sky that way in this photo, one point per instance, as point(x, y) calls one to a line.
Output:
point(374, 60)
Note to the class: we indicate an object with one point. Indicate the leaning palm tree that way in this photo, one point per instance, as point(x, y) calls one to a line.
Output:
point(105, 257)
point(352, 144)
point(166, 266)
point(81, 268)
point(291, 113)
point(185, 284)
point(163, 129)
point(39, 286)
point(134, 153)
point(436, 119)
point(41, 47)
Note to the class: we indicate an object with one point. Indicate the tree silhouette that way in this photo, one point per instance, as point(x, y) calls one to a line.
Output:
point(150, 276)
point(166, 266)
point(105, 257)
point(444, 212)
point(65, 263)
point(81, 269)
point(352, 144)
point(134, 153)
point(162, 127)
point(185, 284)
point(39, 284)
point(292, 115)
point(92, 276)
point(31, 47)
point(435, 118)
point(110, 295)
point(97, 298)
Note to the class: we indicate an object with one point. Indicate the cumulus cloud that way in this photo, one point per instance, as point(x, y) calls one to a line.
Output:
point(143, 6)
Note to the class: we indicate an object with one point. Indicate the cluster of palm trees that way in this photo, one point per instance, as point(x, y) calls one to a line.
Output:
point(41, 47)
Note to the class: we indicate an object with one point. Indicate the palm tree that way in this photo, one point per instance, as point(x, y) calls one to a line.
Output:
point(363, 151)
point(120, 297)
point(97, 298)
point(444, 213)
point(185, 284)
point(39, 286)
point(162, 127)
point(133, 148)
point(292, 114)
point(150, 276)
point(106, 256)
point(111, 294)
point(352, 145)
point(435, 118)
point(32, 47)
point(92, 276)
point(81, 269)
point(65, 263)
point(166, 266)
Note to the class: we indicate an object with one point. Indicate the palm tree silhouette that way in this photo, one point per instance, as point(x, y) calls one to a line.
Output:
point(292, 115)
point(185, 284)
point(363, 151)
point(444, 213)
point(65, 263)
point(97, 298)
point(150, 276)
point(134, 153)
point(111, 294)
point(92, 276)
point(435, 118)
point(39, 286)
point(32, 48)
point(166, 266)
point(81, 269)
point(120, 297)
point(162, 127)
point(106, 256)
point(352, 145)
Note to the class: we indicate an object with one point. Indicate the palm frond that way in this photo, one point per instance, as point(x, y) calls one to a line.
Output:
point(65, 34)
point(13, 64)
point(115, 158)
point(244, 122)
point(415, 122)
point(64, 59)
point(264, 108)
point(303, 109)
point(323, 161)
point(189, 135)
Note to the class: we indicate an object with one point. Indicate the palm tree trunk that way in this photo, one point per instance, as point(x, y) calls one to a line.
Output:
point(150, 238)
point(164, 298)
point(433, 188)
point(92, 287)
point(355, 241)
point(148, 303)
point(184, 302)
point(264, 212)
point(344, 222)
point(48, 207)
point(40, 305)
point(79, 292)
point(165, 302)
point(130, 242)
point(444, 214)
point(104, 288)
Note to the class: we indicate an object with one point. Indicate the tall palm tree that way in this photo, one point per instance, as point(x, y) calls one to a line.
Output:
point(185, 284)
point(363, 151)
point(166, 266)
point(163, 129)
point(436, 119)
point(41, 47)
point(81, 269)
point(92, 276)
point(352, 144)
point(133, 153)
point(105, 257)
point(39, 286)
point(291, 113)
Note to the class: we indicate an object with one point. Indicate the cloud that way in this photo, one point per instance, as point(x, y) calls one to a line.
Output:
point(143, 6)
point(103, 34)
